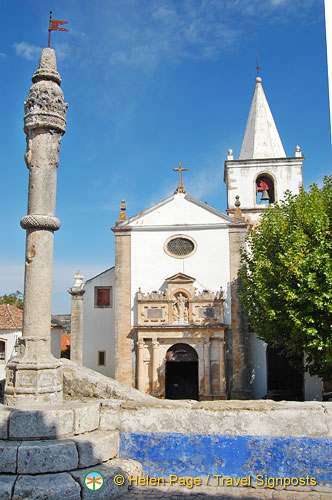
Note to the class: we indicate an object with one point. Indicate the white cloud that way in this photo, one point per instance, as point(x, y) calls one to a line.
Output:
point(3, 56)
point(62, 51)
point(169, 30)
point(279, 2)
point(27, 50)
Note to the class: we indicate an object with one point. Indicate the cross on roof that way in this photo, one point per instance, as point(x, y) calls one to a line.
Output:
point(257, 67)
point(180, 169)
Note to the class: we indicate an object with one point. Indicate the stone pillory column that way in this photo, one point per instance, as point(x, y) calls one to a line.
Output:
point(34, 375)
point(76, 330)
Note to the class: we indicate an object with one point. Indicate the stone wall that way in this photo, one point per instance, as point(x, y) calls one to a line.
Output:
point(236, 439)
point(227, 438)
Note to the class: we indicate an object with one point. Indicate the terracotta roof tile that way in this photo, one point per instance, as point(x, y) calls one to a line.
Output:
point(11, 318)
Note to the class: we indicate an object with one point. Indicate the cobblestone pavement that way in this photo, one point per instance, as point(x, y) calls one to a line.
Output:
point(214, 493)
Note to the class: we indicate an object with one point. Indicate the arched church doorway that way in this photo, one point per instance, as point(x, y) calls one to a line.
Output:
point(181, 375)
point(284, 381)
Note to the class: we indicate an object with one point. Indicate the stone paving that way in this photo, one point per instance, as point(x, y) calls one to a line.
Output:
point(214, 493)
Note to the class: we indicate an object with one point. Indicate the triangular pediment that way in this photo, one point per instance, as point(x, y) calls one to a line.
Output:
point(180, 278)
point(178, 210)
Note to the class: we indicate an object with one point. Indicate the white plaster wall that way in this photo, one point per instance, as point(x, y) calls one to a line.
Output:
point(241, 181)
point(56, 342)
point(313, 388)
point(209, 265)
point(258, 379)
point(10, 337)
point(98, 326)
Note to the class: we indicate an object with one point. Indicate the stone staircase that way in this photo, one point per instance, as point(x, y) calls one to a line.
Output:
point(45, 454)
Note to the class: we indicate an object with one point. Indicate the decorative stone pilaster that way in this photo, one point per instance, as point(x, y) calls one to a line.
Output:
point(155, 364)
point(76, 330)
point(34, 375)
point(124, 371)
point(240, 382)
point(222, 371)
point(207, 369)
point(140, 364)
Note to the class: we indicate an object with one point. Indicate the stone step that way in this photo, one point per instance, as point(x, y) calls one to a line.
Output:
point(58, 455)
point(48, 423)
point(70, 485)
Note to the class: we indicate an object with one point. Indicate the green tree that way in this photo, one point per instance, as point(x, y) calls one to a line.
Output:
point(286, 277)
point(14, 299)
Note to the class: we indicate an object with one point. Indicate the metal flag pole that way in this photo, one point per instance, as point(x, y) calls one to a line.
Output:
point(49, 30)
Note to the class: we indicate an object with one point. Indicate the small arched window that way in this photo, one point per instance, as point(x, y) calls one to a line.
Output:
point(264, 189)
point(2, 350)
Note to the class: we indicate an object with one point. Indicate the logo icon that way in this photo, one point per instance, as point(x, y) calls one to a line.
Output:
point(94, 480)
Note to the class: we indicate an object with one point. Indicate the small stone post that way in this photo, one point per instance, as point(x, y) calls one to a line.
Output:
point(76, 331)
point(34, 376)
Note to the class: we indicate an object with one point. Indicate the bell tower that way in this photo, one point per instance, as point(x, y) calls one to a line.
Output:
point(263, 172)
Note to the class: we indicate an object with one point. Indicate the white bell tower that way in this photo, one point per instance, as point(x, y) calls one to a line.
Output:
point(263, 172)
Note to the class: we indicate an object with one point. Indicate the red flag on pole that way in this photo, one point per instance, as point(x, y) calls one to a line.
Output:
point(54, 25)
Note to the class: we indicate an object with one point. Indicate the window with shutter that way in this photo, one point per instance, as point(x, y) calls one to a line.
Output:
point(103, 296)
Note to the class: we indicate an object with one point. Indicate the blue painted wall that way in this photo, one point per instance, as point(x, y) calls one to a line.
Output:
point(195, 455)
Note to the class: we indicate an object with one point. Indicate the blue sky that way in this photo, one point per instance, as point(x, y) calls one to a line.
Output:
point(150, 83)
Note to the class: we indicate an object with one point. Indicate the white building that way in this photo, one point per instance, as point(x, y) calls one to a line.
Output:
point(10, 330)
point(11, 321)
point(167, 319)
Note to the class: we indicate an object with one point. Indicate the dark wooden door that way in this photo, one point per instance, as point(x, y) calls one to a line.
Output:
point(181, 380)
point(284, 381)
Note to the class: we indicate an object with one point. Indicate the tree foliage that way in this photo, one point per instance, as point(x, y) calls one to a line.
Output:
point(13, 299)
point(286, 277)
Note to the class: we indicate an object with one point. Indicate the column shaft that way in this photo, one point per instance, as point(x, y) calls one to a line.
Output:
point(222, 371)
point(155, 363)
point(140, 365)
point(207, 370)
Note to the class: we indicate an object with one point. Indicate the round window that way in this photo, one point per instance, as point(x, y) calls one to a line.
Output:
point(180, 246)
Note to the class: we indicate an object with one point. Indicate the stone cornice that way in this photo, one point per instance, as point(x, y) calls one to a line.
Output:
point(180, 327)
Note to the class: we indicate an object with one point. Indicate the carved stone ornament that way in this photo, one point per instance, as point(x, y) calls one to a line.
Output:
point(40, 222)
point(45, 107)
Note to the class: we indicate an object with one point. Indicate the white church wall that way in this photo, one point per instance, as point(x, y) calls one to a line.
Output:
point(209, 265)
point(313, 388)
point(258, 377)
point(98, 325)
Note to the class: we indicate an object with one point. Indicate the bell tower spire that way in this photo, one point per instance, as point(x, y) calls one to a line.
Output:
point(261, 138)
point(263, 172)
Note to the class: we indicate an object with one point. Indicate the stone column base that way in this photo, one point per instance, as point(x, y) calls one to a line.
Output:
point(34, 376)
point(241, 394)
point(221, 395)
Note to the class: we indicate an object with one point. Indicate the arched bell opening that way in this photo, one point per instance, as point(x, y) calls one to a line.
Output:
point(181, 376)
point(265, 192)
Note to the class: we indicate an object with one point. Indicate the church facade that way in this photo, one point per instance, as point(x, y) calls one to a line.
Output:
point(166, 318)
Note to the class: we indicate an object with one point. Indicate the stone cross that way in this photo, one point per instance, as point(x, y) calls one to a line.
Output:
point(180, 169)
point(34, 376)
